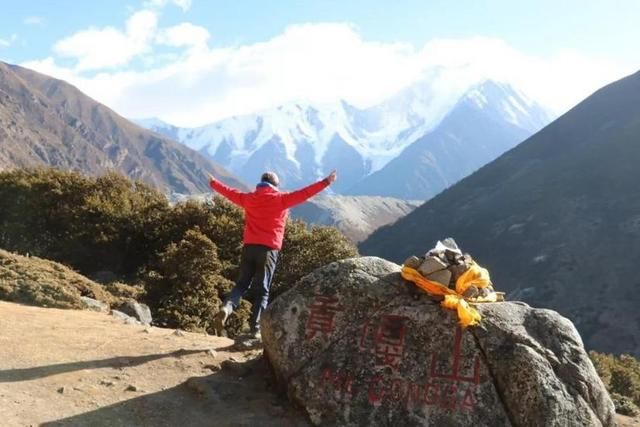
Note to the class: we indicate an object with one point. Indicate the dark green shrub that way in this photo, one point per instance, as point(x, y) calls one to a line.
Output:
point(305, 249)
point(183, 256)
point(184, 284)
point(123, 292)
point(91, 224)
point(620, 375)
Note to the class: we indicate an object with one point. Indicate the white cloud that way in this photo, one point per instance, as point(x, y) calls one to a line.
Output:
point(110, 47)
point(558, 81)
point(158, 4)
point(312, 62)
point(33, 20)
point(184, 35)
point(6, 42)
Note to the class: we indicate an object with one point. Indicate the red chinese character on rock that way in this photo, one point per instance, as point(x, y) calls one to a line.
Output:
point(456, 367)
point(389, 341)
point(321, 315)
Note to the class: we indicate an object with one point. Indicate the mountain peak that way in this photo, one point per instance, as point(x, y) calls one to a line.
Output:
point(305, 140)
point(502, 100)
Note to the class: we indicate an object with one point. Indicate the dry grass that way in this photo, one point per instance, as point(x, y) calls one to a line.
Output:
point(39, 282)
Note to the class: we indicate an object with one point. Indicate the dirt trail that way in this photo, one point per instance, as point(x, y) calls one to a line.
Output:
point(81, 368)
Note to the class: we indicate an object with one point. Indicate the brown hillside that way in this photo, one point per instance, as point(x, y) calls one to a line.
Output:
point(47, 122)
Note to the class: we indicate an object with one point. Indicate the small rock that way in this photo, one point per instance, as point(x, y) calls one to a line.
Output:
point(120, 315)
point(95, 305)
point(213, 368)
point(138, 311)
point(131, 387)
point(457, 271)
point(247, 343)
point(413, 262)
point(450, 244)
point(471, 292)
point(443, 277)
point(483, 292)
point(61, 390)
point(211, 352)
point(132, 321)
point(147, 331)
point(179, 333)
point(430, 265)
point(107, 383)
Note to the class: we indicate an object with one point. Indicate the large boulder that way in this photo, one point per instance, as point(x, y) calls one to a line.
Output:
point(138, 311)
point(354, 344)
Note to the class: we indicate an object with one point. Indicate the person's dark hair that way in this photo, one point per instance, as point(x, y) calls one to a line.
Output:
point(271, 178)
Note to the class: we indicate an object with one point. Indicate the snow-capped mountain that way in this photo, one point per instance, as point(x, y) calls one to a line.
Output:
point(303, 142)
point(158, 126)
point(487, 121)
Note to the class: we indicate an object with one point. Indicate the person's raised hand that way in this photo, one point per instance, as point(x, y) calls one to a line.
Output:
point(332, 177)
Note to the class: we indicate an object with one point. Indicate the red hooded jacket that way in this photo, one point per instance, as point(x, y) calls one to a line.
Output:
point(266, 210)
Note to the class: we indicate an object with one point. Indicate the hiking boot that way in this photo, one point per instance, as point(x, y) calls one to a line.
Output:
point(220, 319)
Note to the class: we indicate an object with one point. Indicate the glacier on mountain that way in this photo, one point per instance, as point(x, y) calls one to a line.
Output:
point(304, 141)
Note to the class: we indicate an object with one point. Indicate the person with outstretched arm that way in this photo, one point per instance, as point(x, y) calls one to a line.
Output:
point(266, 210)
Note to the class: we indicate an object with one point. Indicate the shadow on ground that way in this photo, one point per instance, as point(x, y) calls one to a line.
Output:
point(26, 374)
point(238, 395)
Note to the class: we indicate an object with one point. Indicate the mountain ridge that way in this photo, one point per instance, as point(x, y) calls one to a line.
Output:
point(483, 124)
point(48, 122)
point(311, 140)
point(356, 216)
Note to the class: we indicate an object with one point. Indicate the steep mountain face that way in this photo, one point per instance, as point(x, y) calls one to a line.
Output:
point(356, 216)
point(300, 141)
point(486, 122)
point(47, 122)
point(303, 142)
point(556, 220)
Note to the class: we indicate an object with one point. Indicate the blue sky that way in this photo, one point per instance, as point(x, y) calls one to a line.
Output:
point(200, 60)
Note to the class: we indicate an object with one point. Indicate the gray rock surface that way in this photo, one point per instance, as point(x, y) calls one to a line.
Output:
point(443, 277)
point(138, 311)
point(431, 265)
point(95, 305)
point(352, 345)
point(125, 317)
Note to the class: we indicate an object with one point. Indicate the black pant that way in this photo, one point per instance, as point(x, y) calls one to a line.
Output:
point(257, 266)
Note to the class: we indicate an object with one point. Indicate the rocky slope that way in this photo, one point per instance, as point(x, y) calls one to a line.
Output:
point(555, 220)
point(47, 122)
point(356, 216)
